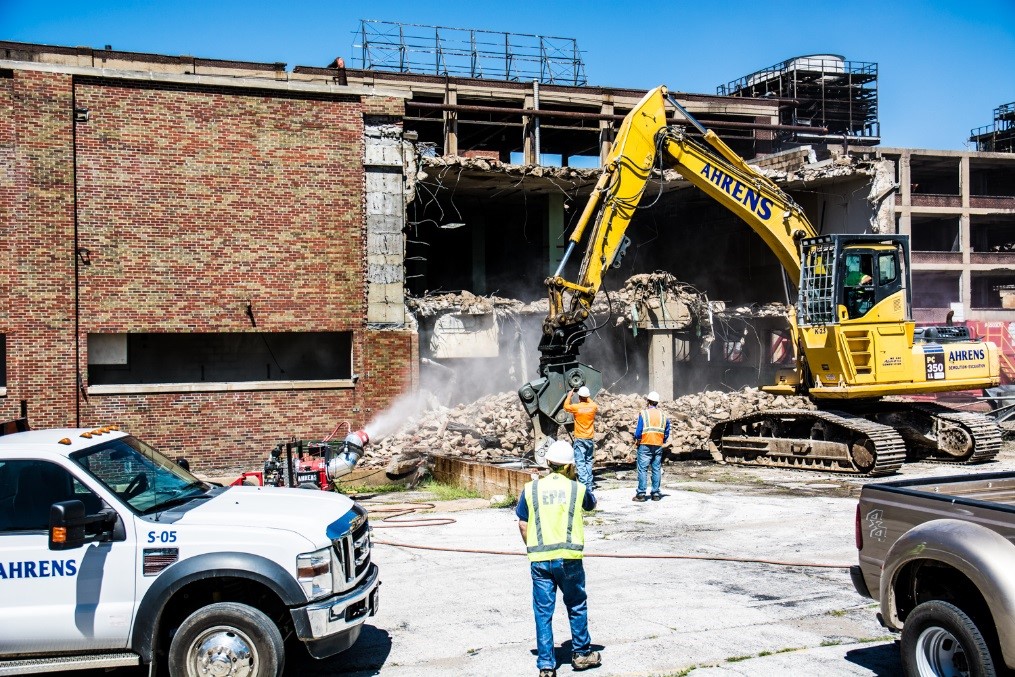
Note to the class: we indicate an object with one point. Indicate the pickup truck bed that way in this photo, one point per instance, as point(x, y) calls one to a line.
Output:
point(939, 555)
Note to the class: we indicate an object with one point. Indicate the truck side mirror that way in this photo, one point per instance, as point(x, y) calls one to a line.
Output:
point(66, 525)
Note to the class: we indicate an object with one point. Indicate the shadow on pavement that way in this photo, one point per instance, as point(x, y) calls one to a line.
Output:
point(364, 658)
point(883, 659)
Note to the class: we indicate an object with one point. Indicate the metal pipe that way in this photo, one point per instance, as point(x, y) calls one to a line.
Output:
point(563, 260)
point(575, 115)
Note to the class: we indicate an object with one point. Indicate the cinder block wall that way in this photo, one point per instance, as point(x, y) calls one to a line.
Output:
point(192, 202)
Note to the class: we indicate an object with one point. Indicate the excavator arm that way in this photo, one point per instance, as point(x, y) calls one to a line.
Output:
point(643, 143)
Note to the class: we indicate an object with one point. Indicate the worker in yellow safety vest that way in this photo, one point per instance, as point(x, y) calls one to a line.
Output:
point(650, 435)
point(550, 521)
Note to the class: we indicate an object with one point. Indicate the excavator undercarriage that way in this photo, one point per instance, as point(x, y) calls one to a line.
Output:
point(871, 439)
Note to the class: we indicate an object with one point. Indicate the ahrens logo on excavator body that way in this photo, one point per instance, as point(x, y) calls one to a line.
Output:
point(743, 194)
point(974, 354)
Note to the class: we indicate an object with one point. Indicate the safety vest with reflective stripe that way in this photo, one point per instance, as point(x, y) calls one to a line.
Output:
point(555, 528)
point(653, 426)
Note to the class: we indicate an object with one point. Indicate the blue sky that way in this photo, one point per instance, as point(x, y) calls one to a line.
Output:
point(943, 65)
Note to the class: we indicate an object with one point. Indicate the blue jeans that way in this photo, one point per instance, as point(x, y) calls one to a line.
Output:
point(649, 454)
point(584, 454)
point(569, 576)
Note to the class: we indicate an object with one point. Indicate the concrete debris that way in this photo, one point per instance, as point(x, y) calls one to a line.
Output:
point(660, 301)
point(495, 428)
point(719, 309)
point(467, 303)
point(444, 162)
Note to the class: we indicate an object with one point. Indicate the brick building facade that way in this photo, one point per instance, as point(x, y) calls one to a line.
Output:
point(179, 211)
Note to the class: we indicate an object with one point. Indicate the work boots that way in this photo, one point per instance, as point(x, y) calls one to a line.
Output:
point(586, 661)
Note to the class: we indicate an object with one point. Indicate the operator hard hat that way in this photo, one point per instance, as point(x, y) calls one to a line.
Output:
point(560, 453)
point(653, 397)
point(584, 392)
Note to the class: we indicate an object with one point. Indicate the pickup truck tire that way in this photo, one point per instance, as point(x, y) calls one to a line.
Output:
point(227, 638)
point(939, 639)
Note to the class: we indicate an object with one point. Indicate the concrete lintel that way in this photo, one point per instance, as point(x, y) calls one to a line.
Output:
point(208, 80)
point(232, 386)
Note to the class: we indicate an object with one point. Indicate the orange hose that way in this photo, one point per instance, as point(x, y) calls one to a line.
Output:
point(710, 558)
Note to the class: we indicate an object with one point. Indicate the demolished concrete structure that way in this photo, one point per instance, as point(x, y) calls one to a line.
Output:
point(679, 232)
point(298, 227)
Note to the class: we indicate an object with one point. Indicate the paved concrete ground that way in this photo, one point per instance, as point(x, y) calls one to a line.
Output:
point(469, 614)
point(451, 613)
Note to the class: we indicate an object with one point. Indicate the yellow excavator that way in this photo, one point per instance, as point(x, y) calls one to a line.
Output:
point(855, 339)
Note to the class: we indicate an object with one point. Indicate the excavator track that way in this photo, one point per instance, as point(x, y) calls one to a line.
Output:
point(936, 433)
point(813, 440)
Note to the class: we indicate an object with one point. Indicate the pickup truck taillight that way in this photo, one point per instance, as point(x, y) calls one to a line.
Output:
point(857, 533)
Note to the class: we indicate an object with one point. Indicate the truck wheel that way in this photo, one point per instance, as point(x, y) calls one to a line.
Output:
point(226, 638)
point(940, 640)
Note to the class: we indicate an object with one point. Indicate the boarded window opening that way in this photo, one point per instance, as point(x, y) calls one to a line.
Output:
point(218, 357)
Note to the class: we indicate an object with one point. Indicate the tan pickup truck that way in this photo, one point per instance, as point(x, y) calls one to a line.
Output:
point(939, 555)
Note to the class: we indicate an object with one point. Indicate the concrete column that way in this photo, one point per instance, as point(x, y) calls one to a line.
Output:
point(965, 238)
point(529, 134)
point(660, 364)
point(451, 122)
point(556, 242)
point(384, 179)
point(905, 180)
point(605, 131)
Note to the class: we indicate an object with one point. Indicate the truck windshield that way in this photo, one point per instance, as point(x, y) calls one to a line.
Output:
point(141, 476)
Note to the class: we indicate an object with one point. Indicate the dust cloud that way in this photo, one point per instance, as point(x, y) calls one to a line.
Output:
point(404, 409)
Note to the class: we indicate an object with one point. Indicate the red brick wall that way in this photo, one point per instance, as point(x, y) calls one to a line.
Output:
point(38, 234)
point(7, 194)
point(192, 202)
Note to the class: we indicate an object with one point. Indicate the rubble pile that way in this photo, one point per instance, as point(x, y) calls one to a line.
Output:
point(496, 428)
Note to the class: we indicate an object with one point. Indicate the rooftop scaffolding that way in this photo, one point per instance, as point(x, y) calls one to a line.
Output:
point(466, 52)
point(1000, 136)
point(823, 90)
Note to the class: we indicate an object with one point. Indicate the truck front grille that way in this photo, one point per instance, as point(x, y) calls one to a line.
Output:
point(353, 550)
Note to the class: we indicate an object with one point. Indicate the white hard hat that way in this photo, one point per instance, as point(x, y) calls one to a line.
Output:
point(653, 397)
point(584, 392)
point(560, 453)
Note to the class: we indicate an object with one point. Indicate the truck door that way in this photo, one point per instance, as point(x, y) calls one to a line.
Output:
point(58, 601)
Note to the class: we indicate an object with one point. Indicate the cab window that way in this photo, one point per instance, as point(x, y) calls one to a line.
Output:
point(858, 283)
point(27, 490)
point(888, 271)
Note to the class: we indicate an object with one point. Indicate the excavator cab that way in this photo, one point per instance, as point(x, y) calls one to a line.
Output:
point(847, 278)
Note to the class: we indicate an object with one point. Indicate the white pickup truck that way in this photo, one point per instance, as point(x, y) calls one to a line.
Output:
point(112, 555)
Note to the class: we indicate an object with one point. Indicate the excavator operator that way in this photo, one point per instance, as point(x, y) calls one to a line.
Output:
point(859, 284)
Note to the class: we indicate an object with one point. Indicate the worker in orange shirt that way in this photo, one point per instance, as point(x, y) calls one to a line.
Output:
point(584, 412)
